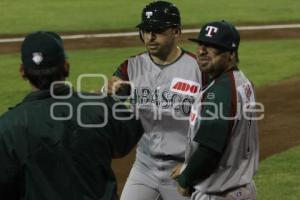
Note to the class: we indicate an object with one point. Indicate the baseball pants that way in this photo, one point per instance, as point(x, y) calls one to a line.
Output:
point(150, 183)
point(247, 192)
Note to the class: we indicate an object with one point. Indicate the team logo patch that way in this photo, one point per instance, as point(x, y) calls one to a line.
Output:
point(149, 14)
point(185, 87)
point(248, 91)
point(210, 31)
point(193, 117)
point(37, 58)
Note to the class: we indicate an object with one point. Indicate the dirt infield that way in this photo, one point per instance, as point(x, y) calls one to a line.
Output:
point(279, 130)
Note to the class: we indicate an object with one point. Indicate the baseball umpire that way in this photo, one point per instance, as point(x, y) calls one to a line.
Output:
point(45, 153)
point(222, 151)
point(166, 80)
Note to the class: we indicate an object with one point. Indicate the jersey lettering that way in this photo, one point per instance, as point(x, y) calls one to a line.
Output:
point(145, 97)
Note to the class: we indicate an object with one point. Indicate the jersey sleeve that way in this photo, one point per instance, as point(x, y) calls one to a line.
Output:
point(218, 110)
point(122, 71)
point(200, 166)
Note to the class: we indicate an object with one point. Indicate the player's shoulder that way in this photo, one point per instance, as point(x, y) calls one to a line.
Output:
point(189, 61)
point(244, 86)
point(189, 58)
point(189, 54)
point(141, 55)
point(226, 81)
point(236, 82)
point(241, 80)
point(134, 58)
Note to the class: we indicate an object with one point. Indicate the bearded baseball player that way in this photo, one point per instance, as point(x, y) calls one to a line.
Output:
point(166, 80)
point(222, 150)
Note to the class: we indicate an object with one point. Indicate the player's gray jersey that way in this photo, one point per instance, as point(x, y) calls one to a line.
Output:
point(164, 95)
point(239, 161)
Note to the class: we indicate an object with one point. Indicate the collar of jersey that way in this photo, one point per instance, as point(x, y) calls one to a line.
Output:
point(43, 94)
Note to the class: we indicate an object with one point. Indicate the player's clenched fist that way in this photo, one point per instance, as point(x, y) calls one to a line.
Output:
point(114, 85)
point(117, 87)
point(175, 172)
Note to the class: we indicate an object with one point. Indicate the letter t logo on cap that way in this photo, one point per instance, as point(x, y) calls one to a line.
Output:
point(149, 14)
point(211, 30)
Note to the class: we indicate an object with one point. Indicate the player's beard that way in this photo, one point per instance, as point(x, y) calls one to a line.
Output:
point(212, 66)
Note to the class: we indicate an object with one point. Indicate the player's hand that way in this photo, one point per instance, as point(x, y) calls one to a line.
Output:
point(184, 191)
point(175, 172)
point(114, 85)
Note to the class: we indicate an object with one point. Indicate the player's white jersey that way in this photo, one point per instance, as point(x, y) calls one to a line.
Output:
point(164, 95)
point(239, 160)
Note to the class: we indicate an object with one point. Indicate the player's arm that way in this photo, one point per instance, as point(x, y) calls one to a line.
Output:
point(123, 133)
point(212, 137)
point(200, 166)
point(116, 85)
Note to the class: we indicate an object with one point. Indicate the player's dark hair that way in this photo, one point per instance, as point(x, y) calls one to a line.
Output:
point(43, 78)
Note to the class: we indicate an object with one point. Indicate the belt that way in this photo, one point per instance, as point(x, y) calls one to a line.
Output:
point(168, 157)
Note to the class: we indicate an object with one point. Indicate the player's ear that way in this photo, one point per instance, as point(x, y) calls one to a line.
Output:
point(232, 58)
point(22, 72)
point(141, 33)
point(177, 31)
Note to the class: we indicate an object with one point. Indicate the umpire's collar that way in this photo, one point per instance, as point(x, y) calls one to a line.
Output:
point(44, 94)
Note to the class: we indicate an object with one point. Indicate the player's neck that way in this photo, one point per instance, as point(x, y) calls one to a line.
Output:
point(168, 57)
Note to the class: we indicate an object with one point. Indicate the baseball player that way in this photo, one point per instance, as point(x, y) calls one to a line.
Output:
point(45, 152)
point(222, 150)
point(165, 82)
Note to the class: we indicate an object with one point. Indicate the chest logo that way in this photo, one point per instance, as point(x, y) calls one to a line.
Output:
point(248, 91)
point(185, 87)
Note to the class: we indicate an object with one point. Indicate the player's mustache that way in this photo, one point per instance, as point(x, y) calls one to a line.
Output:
point(202, 57)
point(152, 44)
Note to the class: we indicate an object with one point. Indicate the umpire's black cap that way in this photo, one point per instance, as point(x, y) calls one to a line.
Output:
point(41, 50)
point(221, 34)
point(160, 15)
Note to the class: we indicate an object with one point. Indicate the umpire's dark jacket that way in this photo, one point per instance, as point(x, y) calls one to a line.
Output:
point(46, 159)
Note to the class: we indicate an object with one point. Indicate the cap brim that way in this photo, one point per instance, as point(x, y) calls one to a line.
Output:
point(152, 25)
